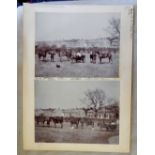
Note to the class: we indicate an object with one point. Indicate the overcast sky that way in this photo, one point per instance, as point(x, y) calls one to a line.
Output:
point(67, 94)
point(59, 26)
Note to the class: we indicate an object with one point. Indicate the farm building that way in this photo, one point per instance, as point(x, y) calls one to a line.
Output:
point(39, 112)
point(106, 112)
point(48, 112)
point(45, 112)
point(73, 112)
point(101, 114)
point(91, 114)
point(58, 112)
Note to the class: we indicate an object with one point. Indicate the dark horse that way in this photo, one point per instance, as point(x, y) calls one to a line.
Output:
point(52, 54)
point(78, 58)
point(74, 121)
point(89, 122)
point(68, 54)
point(56, 120)
point(40, 119)
point(93, 58)
point(42, 54)
point(105, 55)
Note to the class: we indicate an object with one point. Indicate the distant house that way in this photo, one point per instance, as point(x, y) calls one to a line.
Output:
point(101, 114)
point(48, 112)
point(73, 113)
point(81, 113)
point(39, 112)
point(67, 112)
point(113, 111)
point(108, 112)
point(58, 112)
point(45, 112)
point(91, 114)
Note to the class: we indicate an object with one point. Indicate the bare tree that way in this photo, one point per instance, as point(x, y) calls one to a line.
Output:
point(94, 99)
point(114, 30)
point(112, 101)
point(114, 104)
point(86, 110)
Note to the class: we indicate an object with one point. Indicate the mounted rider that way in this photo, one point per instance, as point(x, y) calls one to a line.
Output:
point(78, 54)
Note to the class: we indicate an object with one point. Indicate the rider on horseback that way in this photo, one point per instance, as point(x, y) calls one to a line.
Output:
point(78, 54)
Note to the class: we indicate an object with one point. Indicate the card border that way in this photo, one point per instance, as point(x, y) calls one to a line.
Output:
point(125, 66)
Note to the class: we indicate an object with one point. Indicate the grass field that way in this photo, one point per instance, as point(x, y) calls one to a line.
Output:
point(68, 134)
point(69, 69)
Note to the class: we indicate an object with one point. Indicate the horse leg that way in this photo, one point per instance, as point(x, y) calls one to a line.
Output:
point(43, 123)
point(48, 123)
point(37, 123)
point(82, 124)
point(60, 59)
point(93, 60)
point(51, 57)
point(92, 124)
point(111, 59)
point(44, 58)
point(39, 56)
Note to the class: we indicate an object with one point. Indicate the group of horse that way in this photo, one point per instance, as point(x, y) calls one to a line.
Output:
point(72, 54)
point(101, 55)
point(75, 122)
point(59, 120)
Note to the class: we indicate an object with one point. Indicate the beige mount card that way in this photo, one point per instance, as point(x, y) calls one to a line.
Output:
point(77, 77)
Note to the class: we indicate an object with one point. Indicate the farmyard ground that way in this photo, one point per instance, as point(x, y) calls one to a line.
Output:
point(68, 134)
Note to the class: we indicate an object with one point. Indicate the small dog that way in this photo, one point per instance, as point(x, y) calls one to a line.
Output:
point(58, 66)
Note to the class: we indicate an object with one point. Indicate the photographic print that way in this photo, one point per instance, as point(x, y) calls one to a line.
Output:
point(77, 44)
point(77, 112)
point(77, 78)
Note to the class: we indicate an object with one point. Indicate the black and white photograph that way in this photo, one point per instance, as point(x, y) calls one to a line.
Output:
point(77, 112)
point(77, 44)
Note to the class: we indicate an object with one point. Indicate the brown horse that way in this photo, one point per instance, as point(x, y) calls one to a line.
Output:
point(52, 54)
point(74, 121)
point(105, 55)
point(93, 57)
point(78, 58)
point(56, 120)
point(40, 119)
point(89, 122)
point(42, 54)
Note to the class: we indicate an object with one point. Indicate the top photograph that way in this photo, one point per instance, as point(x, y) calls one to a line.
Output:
point(77, 45)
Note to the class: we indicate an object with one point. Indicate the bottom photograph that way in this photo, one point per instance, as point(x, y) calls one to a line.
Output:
point(85, 111)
